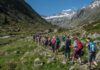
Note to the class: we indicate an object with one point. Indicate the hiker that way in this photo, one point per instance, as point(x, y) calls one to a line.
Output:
point(34, 37)
point(46, 41)
point(63, 41)
point(92, 52)
point(49, 41)
point(77, 49)
point(57, 43)
point(43, 40)
point(53, 43)
point(40, 39)
point(37, 37)
point(67, 48)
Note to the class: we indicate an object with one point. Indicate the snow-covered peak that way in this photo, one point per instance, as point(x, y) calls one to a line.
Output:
point(65, 13)
point(96, 3)
point(68, 10)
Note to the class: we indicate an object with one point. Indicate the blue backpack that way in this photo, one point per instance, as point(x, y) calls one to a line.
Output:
point(92, 47)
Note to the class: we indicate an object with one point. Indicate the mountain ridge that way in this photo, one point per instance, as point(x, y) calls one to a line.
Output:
point(18, 16)
point(83, 17)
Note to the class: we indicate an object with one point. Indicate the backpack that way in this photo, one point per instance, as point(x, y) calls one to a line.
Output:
point(57, 40)
point(53, 41)
point(68, 43)
point(92, 47)
point(63, 38)
point(79, 44)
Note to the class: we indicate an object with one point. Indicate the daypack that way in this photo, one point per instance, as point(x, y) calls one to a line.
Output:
point(92, 47)
point(79, 44)
point(57, 40)
point(63, 38)
point(68, 43)
point(53, 41)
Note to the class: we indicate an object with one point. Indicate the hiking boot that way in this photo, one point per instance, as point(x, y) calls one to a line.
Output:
point(64, 62)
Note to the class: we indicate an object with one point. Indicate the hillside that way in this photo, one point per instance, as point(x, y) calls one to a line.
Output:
point(16, 17)
point(88, 17)
point(83, 18)
point(61, 19)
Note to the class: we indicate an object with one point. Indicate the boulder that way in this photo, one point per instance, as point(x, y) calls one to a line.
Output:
point(50, 60)
point(38, 62)
point(98, 56)
point(2, 52)
point(79, 67)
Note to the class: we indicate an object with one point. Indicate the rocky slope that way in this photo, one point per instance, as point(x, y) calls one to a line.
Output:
point(86, 17)
point(18, 16)
point(88, 14)
point(61, 19)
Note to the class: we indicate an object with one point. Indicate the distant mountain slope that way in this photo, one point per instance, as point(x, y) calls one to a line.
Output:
point(18, 16)
point(61, 19)
point(89, 15)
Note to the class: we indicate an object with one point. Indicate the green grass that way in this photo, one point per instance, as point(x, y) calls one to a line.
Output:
point(14, 51)
point(11, 59)
point(93, 27)
point(55, 66)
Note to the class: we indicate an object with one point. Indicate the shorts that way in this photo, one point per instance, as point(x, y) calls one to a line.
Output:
point(53, 46)
point(75, 52)
point(92, 56)
point(57, 46)
point(79, 52)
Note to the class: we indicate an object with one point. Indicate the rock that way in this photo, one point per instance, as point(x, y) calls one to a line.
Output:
point(63, 62)
point(95, 35)
point(37, 62)
point(79, 67)
point(17, 52)
point(5, 37)
point(2, 53)
point(98, 56)
point(72, 68)
point(6, 53)
point(50, 60)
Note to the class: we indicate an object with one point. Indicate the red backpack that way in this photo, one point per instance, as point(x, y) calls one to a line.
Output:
point(79, 44)
point(53, 41)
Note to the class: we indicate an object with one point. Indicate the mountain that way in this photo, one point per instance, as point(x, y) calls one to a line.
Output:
point(84, 17)
point(88, 17)
point(88, 14)
point(61, 19)
point(16, 16)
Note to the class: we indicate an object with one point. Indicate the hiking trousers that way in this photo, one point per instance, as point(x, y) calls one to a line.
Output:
point(67, 52)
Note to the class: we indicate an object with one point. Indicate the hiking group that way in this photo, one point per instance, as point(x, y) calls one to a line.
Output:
point(72, 46)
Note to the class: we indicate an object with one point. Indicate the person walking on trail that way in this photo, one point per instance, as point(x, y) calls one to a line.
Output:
point(49, 41)
point(34, 37)
point(92, 52)
point(77, 49)
point(63, 41)
point(43, 41)
point(57, 43)
point(67, 48)
point(46, 41)
point(53, 43)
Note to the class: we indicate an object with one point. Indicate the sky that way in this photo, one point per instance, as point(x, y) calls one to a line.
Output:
point(51, 7)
